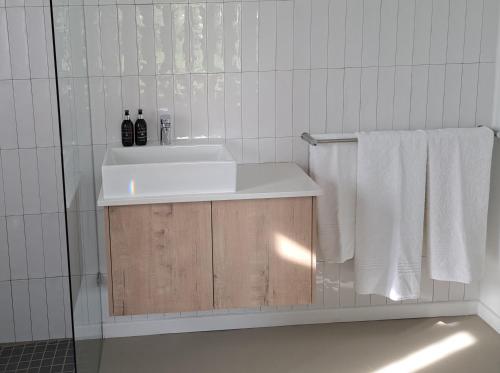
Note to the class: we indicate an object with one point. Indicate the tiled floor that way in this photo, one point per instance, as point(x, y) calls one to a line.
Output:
point(53, 356)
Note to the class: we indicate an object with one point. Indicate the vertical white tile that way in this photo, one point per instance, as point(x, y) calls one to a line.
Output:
point(235, 147)
point(368, 110)
point(93, 38)
point(55, 309)
point(284, 99)
point(378, 300)
point(147, 101)
point(163, 38)
point(198, 38)
point(472, 291)
point(284, 149)
point(354, 33)
point(98, 110)
point(468, 95)
point(388, 32)
point(337, 33)
point(457, 291)
point(302, 34)
point(456, 32)
point(249, 104)
point(249, 36)
point(21, 308)
point(126, 34)
point(199, 108)
point(346, 278)
point(215, 38)
point(318, 301)
point(113, 105)
point(29, 181)
point(180, 38)
point(352, 98)
point(419, 78)
point(24, 113)
point(490, 30)
point(267, 104)
point(300, 108)
point(35, 24)
point(165, 94)
point(130, 94)
point(109, 40)
point(42, 112)
point(402, 98)
point(485, 93)
point(51, 244)
point(452, 88)
point(267, 150)
point(371, 30)
point(12, 182)
point(441, 291)
point(284, 30)
point(232, 96)
point(47, 180)
point(404, 42)
point(216, 115)
point(423, 25)
point(88, 230)
point(77, 41)
point(67, 308)
point(5, 72)
point(474, 20)
point(267, 35)
point(300, 153)
point(48, 42)
point(319, 33)
point(385, 106)
point(63, 40)
point(9, 135)
point(250, 150)
point(86, 198)
point(38, 309)
point(331, 285)
point(4, 252)
point(435, 97)
point(317, 101)
point(6, 317)
point(440, 15)
point(34, 246)
point(145, 39)
point(182, 95)
point(335, 100)
point(234, 34)
point(18, 42)
point(64, 246)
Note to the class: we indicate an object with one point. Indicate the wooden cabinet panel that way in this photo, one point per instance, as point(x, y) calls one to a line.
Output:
point(160, 258)
point(262, 252)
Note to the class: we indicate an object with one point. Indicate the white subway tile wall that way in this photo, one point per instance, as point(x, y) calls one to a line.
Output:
point(253, 73)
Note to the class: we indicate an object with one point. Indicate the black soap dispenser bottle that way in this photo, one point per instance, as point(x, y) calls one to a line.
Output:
point(141, 130)
point(127, 130)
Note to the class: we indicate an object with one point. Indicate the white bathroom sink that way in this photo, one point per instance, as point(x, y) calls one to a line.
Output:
point(152, 171)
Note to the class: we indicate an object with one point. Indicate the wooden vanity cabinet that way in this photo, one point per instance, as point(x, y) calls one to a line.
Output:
point(262, 252)
point(202, 255)
point(160, 258)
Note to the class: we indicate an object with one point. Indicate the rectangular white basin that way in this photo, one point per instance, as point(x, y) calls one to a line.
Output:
point(166, 170)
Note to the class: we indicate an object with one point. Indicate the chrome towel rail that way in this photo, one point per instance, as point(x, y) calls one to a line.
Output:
point(313, 141)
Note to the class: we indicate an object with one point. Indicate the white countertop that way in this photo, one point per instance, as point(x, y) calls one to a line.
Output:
point(254, 181)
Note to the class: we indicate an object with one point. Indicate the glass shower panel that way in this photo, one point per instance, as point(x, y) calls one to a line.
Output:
point(80, 196)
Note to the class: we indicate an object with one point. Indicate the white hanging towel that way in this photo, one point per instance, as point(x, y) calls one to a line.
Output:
point(390, 213)
point(333, 167)
point(458, 184)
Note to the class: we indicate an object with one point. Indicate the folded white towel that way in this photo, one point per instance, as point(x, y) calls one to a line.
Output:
point(458, 184)
point(390, 213)
point(333, 167)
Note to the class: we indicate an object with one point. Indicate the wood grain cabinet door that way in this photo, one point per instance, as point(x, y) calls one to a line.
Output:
point(160, 258)
point(262, 252)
